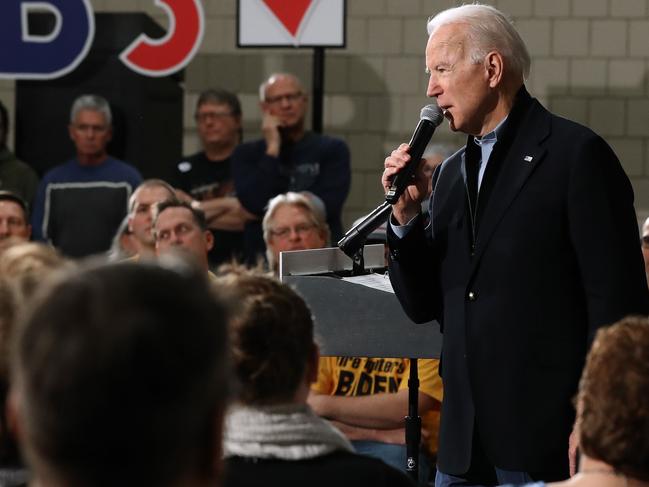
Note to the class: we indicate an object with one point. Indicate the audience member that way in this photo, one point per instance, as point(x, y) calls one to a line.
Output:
point(613, 409)
point(206, 177)
point(23, 269)
point(288, 158)
point(80, 204)
point(292, 222)
point(179, 228)
point(120, 377)
point(141, 209)
point(124, 245)
point(271, 435)
point(14, 220)
point(15, 175)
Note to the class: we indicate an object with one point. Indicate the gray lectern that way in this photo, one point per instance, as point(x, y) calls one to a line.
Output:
point(360, 316)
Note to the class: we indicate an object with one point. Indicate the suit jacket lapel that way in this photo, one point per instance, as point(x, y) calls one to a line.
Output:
point(449, 192)
point(522, 158)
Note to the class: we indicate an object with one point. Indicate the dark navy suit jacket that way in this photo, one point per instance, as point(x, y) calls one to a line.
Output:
point(556, 256)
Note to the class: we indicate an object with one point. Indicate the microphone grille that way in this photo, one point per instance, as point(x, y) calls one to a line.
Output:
point(433, 113)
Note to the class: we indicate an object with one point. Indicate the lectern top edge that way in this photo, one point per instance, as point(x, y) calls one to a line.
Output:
point(331, 259)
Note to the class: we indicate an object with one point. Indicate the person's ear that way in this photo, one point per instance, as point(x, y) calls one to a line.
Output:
point(209, 240)
point(494, 65)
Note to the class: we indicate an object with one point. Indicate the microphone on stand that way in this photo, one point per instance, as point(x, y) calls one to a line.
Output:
point(430, 118)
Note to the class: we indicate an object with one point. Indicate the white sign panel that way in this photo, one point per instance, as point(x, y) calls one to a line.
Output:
point(295, 23)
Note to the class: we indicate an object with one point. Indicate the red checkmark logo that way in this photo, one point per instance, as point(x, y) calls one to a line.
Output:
point(289, 12)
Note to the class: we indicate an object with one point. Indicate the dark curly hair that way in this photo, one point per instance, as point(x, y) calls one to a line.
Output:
point(271, 335)
point(613, 398)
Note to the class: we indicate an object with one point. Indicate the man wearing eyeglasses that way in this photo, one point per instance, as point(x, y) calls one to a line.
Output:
point(204, 179)
point(288, 158)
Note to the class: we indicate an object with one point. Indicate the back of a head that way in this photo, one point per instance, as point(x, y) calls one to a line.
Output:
point(271, 337)
point(613, 399)
point(120, 377)
point(487, 29)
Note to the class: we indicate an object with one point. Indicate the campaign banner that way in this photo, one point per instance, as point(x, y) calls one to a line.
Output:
point(28, 55)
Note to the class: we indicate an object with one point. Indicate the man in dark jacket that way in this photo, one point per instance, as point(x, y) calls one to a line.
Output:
point(532, 246)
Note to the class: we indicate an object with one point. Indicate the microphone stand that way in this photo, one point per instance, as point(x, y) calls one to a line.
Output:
point(353, 241)
point(352, 244)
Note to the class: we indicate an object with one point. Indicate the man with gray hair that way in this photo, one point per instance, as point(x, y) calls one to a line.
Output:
point(293, 221)
point(80, 204)
point(288, 158)
point(532, 246)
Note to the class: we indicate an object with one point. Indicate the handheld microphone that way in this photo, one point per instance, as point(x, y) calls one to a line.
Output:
point(430, 118)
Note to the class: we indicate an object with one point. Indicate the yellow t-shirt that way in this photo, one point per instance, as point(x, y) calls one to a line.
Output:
point(360, 376)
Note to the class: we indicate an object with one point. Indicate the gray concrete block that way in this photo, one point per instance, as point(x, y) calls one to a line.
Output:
point(639, 38)
point(549, 76)
point(356, 35)
point(403, 74)
point(515, 8)
point(537, 35)
point(638, 117)
point(570, 38)
point(607, 116)
point(628, 8)
point(627, 76)
point(336, 73)
point(608, 38)
point(384, 35)
point(366, 151)
point(588, 76)
point(572, 108)
point(366, 8)
point(551, 8)
point(367, 74)
point(414, 36)
point(589, 8)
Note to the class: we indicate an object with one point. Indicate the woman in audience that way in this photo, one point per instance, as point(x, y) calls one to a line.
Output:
point(272, 437)
point(613, 409)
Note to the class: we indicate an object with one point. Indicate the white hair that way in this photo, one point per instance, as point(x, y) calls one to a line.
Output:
point(488, 29)
point(300, 200)
point(274, 77)
point(95, 103)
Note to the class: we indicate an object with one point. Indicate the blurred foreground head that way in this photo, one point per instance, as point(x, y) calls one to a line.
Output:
point(273, 350)
point(613, 399)
point(120, 378)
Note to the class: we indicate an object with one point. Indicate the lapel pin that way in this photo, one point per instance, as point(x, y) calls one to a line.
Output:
point(528, 158)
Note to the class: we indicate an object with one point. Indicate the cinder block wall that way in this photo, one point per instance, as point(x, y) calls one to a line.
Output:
point(590, 60)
